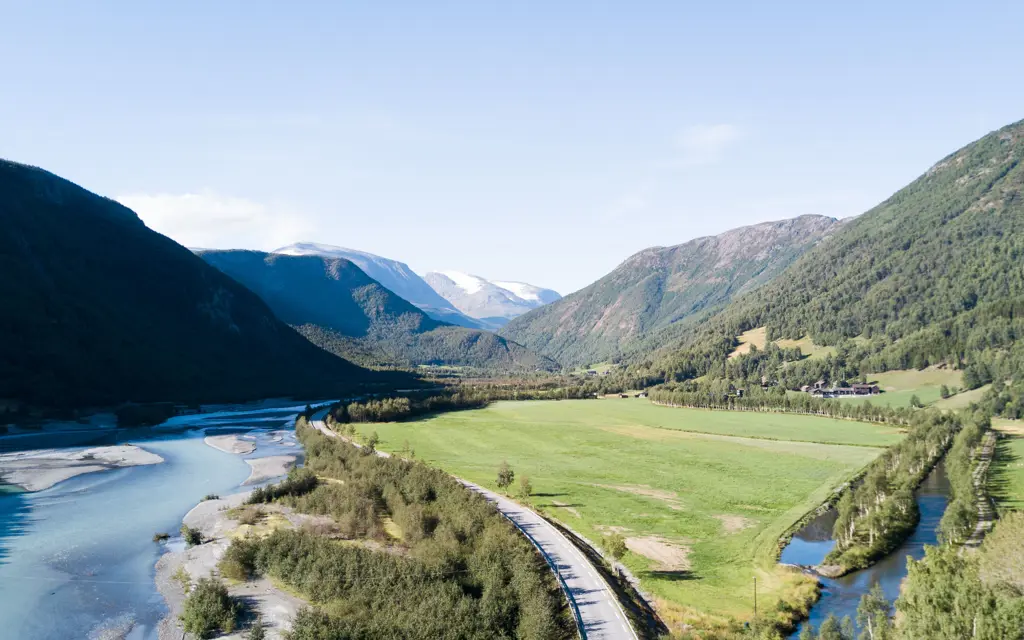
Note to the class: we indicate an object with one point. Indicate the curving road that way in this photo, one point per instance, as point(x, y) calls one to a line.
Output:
point(595, 607)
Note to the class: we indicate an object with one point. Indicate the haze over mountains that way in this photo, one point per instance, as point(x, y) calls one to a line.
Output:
point(100, 309)
point(664, 285)
point(450, 296)
point(395, 275)
point(491, 302)
point(340, 308)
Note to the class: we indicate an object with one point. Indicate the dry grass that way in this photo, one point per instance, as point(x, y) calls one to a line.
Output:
point(665, 555)
point(757, 337)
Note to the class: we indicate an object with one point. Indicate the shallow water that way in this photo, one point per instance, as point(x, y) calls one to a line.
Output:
point(841, 596)
point(77, 560)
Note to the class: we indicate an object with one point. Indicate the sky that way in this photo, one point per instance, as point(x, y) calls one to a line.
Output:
point(533, 141)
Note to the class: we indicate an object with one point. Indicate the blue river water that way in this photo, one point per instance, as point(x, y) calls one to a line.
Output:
point(841, 596)
point(77, 560)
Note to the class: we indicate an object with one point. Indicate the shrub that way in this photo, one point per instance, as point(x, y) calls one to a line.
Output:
point(182, 577)
point(616, 545)
point(505, 476)
point(209, 609)
point(249, 515)
point(211, 496)
point(257, 632)
point(191, 535)
point(300, 481)
point(239, 561)
point(161, 537)
point(525, 488)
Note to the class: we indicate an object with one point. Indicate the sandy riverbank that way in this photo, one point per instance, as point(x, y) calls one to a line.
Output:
point(42, 468)
point(269, 467)
point(277, 607)
point(231, 444)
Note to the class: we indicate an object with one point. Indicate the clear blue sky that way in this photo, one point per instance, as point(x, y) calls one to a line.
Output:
point(536, 141)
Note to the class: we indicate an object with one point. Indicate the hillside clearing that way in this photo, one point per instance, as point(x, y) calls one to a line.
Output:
point(710, 503)
point(759, 338)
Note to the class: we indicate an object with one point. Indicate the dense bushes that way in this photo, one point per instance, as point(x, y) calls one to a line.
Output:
point(300, 480)
point(459, 571)
point(948, 594)
point(209, 609)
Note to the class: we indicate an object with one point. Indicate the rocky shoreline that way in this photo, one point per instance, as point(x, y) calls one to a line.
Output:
point(212, 517)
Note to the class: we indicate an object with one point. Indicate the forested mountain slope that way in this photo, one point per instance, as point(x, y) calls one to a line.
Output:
point(336, 305)
point(935, 274)
point(99, 309)
point(396, 276)
point(663, 285)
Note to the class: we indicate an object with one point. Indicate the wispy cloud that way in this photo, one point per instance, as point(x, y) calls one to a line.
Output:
point(705, 144)
point(212, 220)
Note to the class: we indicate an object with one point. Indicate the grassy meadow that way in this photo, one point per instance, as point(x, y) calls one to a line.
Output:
point(1006, 476)
point(759, 338)
point(701, 497)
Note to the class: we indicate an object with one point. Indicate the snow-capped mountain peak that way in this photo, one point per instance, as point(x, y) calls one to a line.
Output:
point(394, 275)
point(495, 302)
point(467, 282)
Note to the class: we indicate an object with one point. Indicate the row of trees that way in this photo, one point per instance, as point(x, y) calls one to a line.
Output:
point(962, 511)
point(457, 568)
point(463, 396)
point(722, 394)
point(879, 512)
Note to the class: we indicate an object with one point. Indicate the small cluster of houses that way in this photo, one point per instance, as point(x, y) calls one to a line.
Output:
point(821, 390)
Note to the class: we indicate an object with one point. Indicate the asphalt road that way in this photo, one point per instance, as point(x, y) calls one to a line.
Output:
point(598, 613)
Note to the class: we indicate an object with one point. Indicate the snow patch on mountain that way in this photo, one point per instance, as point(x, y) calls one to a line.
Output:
point(495, 302)
point(467, 282)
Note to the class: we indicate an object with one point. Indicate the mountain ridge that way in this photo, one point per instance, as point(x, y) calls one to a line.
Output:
point(395, 275)
point(116, 312)
point(660, 286)
point(491, 302)
point(337, 306)
point(929, 276)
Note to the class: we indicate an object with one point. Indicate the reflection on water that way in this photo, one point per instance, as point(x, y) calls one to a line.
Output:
point(840, 596)
point(77, 560)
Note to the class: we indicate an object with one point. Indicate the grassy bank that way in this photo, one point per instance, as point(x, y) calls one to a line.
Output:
point(701, 497)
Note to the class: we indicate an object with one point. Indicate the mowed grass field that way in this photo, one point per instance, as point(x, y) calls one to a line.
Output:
point(702, 497)
point(1006, 477)
point(901, 386)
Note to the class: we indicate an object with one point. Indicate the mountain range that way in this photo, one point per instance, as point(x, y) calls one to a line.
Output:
point(98, 309)
point(931, 276)
point(492, 302)
point(661, 286)
point(394, 275)
point(339, 307)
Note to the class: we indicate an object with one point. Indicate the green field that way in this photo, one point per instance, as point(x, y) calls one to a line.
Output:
point(962, 399)
point(1006, 477)
point(701, 496)
point(900, 386)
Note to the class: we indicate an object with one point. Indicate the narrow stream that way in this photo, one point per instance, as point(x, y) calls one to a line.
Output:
point(841, 596)
point(77, 560)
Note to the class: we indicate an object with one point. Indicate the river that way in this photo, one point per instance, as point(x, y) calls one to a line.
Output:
point(77, 560)
point(840, 596)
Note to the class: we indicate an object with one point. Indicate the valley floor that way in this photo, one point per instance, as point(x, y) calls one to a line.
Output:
point(701, 497)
